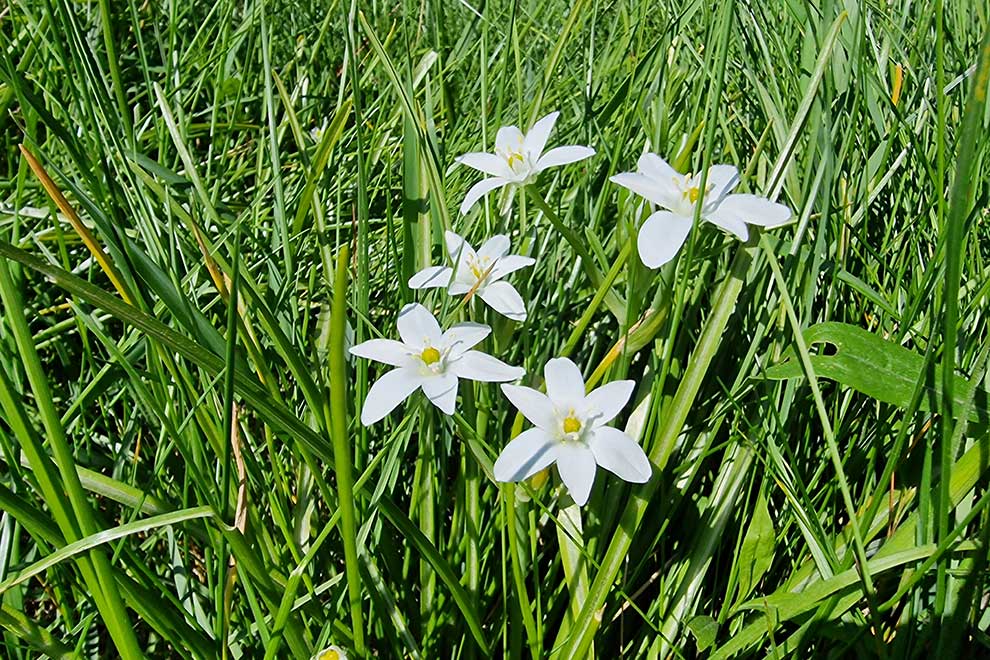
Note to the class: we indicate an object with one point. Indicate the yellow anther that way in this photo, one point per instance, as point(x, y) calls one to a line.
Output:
point(693, 194)
point(571, 424)
point(478, 269)
point(430, 355)
point(514, 157)
point(329, 654)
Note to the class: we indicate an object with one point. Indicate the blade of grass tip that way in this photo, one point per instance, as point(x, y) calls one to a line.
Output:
point(960, 201)
point(342, 449)
point(87, 237)
point(123, 107)
point(276, 165)
point(104, 588)
point(430, 159)
point(565, 32)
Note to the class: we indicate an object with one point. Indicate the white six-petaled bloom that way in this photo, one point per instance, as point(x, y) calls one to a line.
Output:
point(430, 359)
point(481, 271)
point(570, 429)
point(664, 232)
point(518, 159)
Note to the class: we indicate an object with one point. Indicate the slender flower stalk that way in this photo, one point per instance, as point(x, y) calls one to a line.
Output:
point(480, 272)
point(342, 448)
point(571, 430)
point(664, 232)
point(430, 359)
point(518, 160)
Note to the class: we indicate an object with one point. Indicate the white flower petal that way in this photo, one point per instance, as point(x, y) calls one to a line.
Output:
point(431, 277)
point(657, 169)
point(388, 351)
point(495, 247)
point(504, 299)
point(577, 466)
point(487, 163)
point(510, 263)
point(389, 391)
point(460, 287)
point(536, 139)
point(563, 156)
point(604, 403)
point(417, 327)
point(661, 236)
point(565, 384)
point(528, 453)
point(441, 389)
point(479, 190)
point(751, 209)
point(459, 250)
point(509, 138)
point(475, 365)
point(533, 404)
point(728, 221)
point(463, 336)
point(619, 454)
point(721, 179)
point(645, 187)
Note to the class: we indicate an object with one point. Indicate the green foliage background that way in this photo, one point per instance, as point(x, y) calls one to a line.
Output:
point(214, 151)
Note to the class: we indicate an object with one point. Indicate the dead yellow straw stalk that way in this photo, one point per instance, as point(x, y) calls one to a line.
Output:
point(87, 237)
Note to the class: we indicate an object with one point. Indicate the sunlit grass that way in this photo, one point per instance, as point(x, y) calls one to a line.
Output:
point(207, 209)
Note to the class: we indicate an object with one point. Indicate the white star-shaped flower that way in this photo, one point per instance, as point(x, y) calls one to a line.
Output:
point(518, 159)
point(430, 359)
point(570, 430)
point(664, 232)
point(480, 271)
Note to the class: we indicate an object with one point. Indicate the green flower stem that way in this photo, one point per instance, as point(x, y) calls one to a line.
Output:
point(577, 645)
point(596, 301)
point(522, 595)
point(425, 504)
point(342, 449)
point(587, 261)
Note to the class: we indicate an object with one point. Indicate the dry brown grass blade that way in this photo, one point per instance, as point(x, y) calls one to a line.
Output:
point(87, 237)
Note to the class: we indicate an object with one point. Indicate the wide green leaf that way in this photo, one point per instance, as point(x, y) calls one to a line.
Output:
point(876, 367)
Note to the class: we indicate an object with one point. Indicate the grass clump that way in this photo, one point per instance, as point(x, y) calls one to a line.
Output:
point(207, 211)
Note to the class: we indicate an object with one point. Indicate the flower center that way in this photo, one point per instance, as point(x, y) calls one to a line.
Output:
point(572, 424)
point(329, 654)
point(430, 355)
point(691, 191)
point(513, 158)
point(479, 268)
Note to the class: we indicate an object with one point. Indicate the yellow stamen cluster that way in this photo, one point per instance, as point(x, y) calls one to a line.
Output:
point(515, 157)
point(479, 268)
point(430, 355)
point(572, 424)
